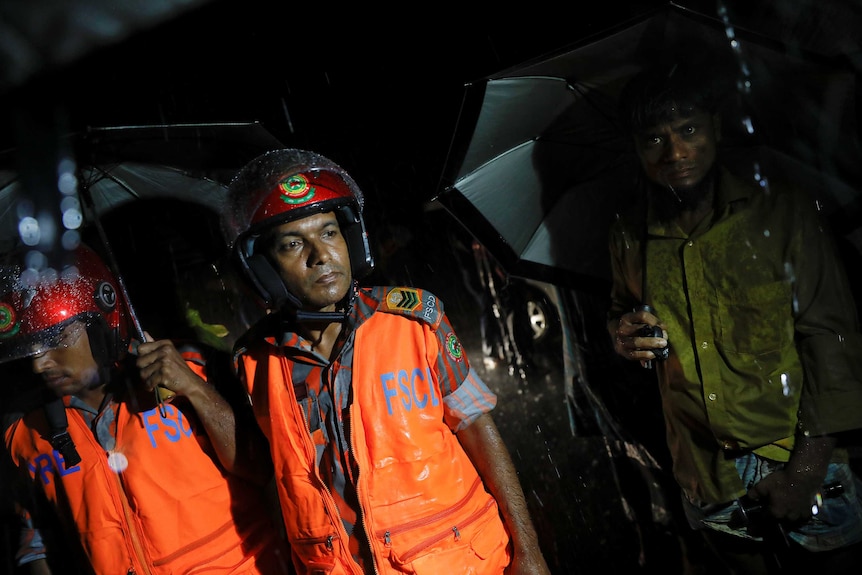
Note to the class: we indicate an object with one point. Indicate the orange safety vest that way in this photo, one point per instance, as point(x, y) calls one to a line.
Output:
point(424, 506)
point(170, 511)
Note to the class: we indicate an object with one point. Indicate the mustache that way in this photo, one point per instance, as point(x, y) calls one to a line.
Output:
point(664, 173)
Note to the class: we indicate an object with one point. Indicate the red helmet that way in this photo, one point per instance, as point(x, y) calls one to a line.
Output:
point(35, 307)
point(284, 185)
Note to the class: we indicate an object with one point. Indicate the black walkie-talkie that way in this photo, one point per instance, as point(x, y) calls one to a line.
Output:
point(661, 353)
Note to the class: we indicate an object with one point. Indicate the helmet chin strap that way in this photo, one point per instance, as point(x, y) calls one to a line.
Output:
point(292, 307)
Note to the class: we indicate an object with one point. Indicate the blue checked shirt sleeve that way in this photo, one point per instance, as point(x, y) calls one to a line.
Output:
point(30, 545)
point(465, 395)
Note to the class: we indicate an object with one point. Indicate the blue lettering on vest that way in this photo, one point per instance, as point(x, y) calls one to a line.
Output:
point(60, 465)
point(405, 390)
point(420, 403)
point(434, 399)
point(169, 421)
point(42, 466)
point(150, 426)
point(45, 466)
point(174, 424)
point(388, 392)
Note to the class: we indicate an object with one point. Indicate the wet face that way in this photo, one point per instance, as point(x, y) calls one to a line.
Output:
point(678, 154)
point(68, 368)
point(312, 258)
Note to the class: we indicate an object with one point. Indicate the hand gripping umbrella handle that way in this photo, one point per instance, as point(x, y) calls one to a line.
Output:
point(162, 394)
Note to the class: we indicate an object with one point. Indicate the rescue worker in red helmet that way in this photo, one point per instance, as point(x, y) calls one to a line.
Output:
point(386, 457)
point(133, 489)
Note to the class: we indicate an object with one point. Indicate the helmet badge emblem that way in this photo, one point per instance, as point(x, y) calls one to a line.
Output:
point(8, 324)
point(296, 189)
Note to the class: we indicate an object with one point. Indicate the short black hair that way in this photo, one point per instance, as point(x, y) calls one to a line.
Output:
point(670, 88)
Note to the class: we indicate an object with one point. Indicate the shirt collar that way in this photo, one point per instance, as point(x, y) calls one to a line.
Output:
point(730, 193)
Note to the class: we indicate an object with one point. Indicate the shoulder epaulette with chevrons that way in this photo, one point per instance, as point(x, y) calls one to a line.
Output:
point(412, 302)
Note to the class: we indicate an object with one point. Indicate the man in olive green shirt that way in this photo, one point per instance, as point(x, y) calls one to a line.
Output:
point(764, 356)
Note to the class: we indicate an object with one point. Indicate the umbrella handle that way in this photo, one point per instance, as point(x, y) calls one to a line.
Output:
point(162, 394)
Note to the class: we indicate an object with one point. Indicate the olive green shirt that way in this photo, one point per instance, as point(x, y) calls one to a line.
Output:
point(761, 326)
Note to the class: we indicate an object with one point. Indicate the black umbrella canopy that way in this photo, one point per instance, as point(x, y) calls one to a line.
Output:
point(539, 166)
point(120, 164)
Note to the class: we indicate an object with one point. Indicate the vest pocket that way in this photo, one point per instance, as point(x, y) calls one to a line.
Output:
point(474, 544)
point(316, 554)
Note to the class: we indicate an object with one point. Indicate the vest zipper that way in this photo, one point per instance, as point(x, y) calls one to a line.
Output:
point(130, 530)
point(360, 492)
point(455, 530)
point(134, 536)
point(329, 500)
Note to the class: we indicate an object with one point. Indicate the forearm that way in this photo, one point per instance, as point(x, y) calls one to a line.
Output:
point(811, 457)
point(218, 420)
point(38, 567)
point(239, 445)
point(792, 491)
point(486, 449)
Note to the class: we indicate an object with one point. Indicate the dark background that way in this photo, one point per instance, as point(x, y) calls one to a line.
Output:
point(376, 90)
point(379, 93)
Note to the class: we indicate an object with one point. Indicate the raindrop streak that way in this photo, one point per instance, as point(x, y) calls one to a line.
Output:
point(673, 191)
point(287, 117)
point(537, 498)
point(625, 237)
point(743, 84)
point(785, 384)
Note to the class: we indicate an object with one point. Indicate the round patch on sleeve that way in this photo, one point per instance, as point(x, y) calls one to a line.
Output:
point(453, 347)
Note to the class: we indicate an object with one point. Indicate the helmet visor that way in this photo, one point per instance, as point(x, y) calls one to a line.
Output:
point(60, 336)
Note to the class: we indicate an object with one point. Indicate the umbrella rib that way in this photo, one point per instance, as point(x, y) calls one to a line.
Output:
point(167, 126)
point(105, 174)
point(584, 93)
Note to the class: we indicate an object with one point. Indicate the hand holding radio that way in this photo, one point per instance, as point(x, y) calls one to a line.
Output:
point(633, 328)
point(661, 353)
